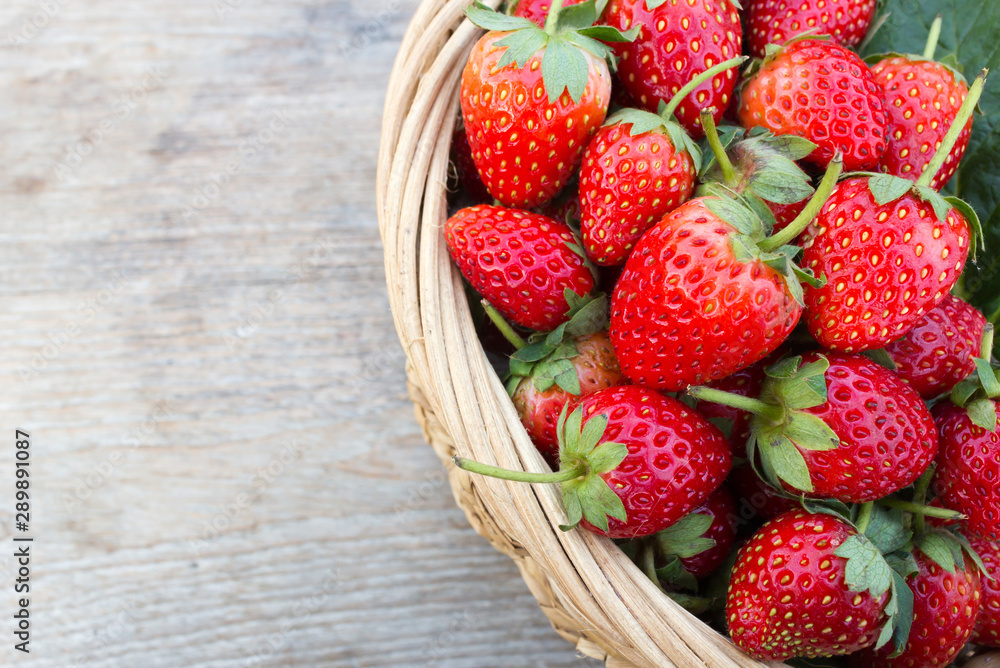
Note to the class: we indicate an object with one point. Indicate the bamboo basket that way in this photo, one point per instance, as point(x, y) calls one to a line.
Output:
point(590, 591)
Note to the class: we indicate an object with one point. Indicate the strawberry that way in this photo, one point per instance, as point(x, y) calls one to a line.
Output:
point(777, 21)
point(938, 352)
point(678, 40)
point(639, 167)
point(555, 369)
point(890, 248)
point(522, 263)
point(987, 630)
point(946, 603)
point(532, 97)
point(632, 462)
point(836, 426)
point(537, 11)
point(705, 294)
point(464, 168)
point(922, 99)
point(720, 508)
point(968, 464)
point(757, 500)
point(821, 91)
point(789, 593)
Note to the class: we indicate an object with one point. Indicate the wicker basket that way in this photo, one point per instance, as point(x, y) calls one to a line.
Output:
point(593, 595)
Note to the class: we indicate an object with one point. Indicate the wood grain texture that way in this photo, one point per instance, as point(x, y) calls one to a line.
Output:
point(196, 333)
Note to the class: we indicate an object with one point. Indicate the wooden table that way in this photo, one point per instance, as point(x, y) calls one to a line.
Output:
point(195, 333)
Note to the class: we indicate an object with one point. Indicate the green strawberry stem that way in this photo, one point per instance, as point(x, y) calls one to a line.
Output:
point(508, 332)
point(920, 488)
point(697, 81)
point(920, 509)
point(932, 38)
point(961, 118)
point(648, 558)
point(812, 209)
point(755, 406)
point(519, 476)
point(721, 157)
point(864, 516)
point(986, 348)
point(552, 20)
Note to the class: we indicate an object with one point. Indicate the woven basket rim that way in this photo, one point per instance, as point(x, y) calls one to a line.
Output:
point(592, 593)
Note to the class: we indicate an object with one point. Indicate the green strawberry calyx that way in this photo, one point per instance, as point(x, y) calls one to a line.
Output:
point(664, 121)
point(757, 161)
point(753, 221)
point(976, 394)
point(583, 457)
point(682, 540)
point(568, 33)
point(547, 357)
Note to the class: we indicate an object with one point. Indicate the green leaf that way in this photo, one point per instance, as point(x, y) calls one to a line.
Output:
point(608, 456)
point(935, 199)
point(674, 573)
point(886, 188)
point(781, 187)
point(521, 46)
point(600, 502)
point(591, 434)
point(987, 377)
point(789, 464)
point(487, 19)
point(937, 550)
point(969, 30)
point(686, 537)
point(574, 509)
point(881, 357)
point(886, 529)
point(975, 224)
point(803, 388)
point(784, 368)
point(902, 621)
point(653, 4)
point(569, 428)
point(809, 432)
point(737, 214)
point(641, 121)
point(866, 568)
point(609, 34)
point(575, 17)
point(982, 413)
point(564, 68)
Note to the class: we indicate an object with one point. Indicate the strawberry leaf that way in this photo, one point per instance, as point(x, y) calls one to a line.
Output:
point(982, 413)
point(886, 188)
point(881, 357)
point(901, 621)
point(608, 456)
point(809, 432)
point(564, 68)
point(591, 434)
point(787, 463)
point(935, 199)
point(674, 573)
point(521, 46)
point(576, 17)
point(866, 568)
point(886, 529)
point(686, 537)
point(937, 548)
point(975, 224)
point(987, 377)
point(487, 19)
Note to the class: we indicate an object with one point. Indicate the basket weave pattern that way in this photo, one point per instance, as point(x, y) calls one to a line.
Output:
point(593, 595)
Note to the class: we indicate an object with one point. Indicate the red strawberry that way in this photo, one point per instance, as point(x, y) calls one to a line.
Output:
point(823, 92)
point(632, 462)
point(639, 167)
point(968, 468)
point(789, 594)
point(757, 500)
point(522, 263)
point(537, 11)
point(938, 352)
point(777, 21)
point(785, 213)
point(678, 39)
point(922, 99)
point(722, 509)
point(945, 607)
point(531, 99)
point(987, 631)
point(705, 293)
point(594, 367)
point(837, 426)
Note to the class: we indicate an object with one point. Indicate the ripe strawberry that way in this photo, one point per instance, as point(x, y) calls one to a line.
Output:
point(938, 352)
point(789, 594)
point(537, 11)
point(946, 603)
point(632, 462)
point(541, 394)
point(889, 255)
point(705, 294)
point(678, 39)
point(968, 467)
point(465, 169)
point(757, 500)
point(837, 426)
point(823, 92)
point(721, 508)
point(987, 631)
point(531, 98)
point(922, 99)
point(777, 21)
point(639, 167)
point(522, 263)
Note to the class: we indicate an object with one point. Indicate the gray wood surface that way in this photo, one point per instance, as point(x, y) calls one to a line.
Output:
point(194, 329)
